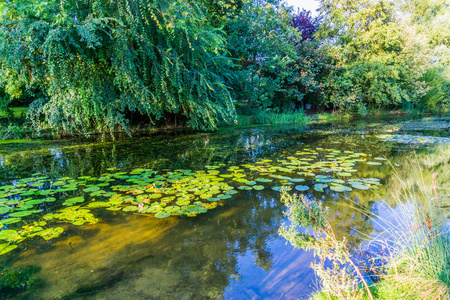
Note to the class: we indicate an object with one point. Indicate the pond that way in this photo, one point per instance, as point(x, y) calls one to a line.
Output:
point(196, 215)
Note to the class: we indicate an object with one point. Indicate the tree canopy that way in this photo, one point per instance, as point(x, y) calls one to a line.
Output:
point(91, 64)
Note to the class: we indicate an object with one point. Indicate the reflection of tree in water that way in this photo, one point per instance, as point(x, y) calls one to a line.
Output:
point(193, 151)
point(350, 217)
point(194, 259)
point(209, 253)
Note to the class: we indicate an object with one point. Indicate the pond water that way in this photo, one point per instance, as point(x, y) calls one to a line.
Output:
point(225, 185)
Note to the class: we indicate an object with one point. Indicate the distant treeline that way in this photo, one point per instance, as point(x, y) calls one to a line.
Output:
point(96, 64)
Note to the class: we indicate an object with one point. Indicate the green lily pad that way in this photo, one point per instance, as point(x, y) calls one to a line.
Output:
point(258, 187)
point(340, 188)
point(320, 186)
point(155, 196)
point(8, 234)
point(50, 233)
point(302, 188)
point(5, 248)
point(34, 202)
point(130, 208)
point(264, 180)
point(296, 180)
point(359, 186)
point(98, 204)
point(72, 201)
point(4, 210)
point(344, 174)
point(91, 189)
point(10, 221)
point(24, 213)
point(245, 187)
point(162, 214)
point(182, 202)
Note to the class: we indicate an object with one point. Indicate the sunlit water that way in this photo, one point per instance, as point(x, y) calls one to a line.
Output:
point(231, 252)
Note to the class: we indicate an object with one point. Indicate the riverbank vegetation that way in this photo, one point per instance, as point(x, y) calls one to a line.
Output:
point(407, 259)
point(103, 66)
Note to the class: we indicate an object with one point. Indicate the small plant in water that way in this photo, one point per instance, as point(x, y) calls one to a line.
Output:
point(343, 277)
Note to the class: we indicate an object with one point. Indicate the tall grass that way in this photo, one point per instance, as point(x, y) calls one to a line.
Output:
point(326, 117)
point(415, 235)
point(272, 118)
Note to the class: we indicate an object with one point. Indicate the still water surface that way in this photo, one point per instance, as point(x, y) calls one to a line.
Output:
point(231, 252)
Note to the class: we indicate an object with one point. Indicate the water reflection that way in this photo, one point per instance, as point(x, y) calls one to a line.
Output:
point(232, 252)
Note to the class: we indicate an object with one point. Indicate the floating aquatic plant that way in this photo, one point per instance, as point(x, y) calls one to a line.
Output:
point(178, 192)
point(414, 139)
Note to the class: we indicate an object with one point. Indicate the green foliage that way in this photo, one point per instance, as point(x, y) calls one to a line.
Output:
point(437, 99)
point(379, 61)
point(273, 69)
point(267, 117)
point(98, 60)
point(95, 65)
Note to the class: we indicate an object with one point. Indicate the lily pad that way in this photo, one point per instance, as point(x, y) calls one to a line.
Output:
point(359, 186)
point(162, 214)
point(10, 221)
point(91, 189)
point(302, 188)
point(264, 180)
point(130, 208)
point(24, 213)
point(296, 180)
point(340, 188)
point(8, 234)
point(50, 233)
point(72, 201)
point(4, 210)
point(5, 248)
point(245, 187)
point(99, 204)
point(320, 186)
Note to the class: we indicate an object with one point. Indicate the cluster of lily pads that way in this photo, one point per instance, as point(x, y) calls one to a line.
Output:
point(40, 201)
point(432, 124)
point(414, 139)
point(325, 168)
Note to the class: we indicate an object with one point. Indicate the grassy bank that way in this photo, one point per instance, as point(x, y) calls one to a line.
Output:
point(13, 124)
point(272, 118)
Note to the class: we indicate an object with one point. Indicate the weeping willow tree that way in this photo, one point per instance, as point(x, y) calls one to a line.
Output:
point(96, 60)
